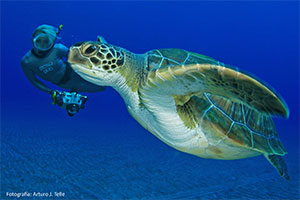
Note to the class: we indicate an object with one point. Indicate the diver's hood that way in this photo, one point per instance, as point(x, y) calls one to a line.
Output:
point(45, 29)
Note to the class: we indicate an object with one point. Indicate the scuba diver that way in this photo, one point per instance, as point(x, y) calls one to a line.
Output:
point(48, 61)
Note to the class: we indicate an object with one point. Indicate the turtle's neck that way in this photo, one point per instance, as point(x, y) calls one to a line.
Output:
point(131, 75)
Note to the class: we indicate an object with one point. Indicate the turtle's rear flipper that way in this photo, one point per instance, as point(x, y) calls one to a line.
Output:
point(279, 163)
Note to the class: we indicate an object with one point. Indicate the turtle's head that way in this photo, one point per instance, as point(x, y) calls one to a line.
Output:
point(96, 62)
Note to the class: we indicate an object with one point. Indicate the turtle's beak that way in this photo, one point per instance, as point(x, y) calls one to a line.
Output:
point(75, 57)
point(82, 65)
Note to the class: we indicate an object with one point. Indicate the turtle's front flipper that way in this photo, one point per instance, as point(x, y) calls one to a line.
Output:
point(279, 163)
point(186, 80)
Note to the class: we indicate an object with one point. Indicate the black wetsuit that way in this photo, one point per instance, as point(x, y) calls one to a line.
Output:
point(53, 68)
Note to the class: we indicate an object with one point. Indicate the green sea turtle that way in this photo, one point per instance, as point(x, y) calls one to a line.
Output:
point(190, 101)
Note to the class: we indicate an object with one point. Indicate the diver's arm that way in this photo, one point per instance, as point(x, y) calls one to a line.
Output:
point(34, 80)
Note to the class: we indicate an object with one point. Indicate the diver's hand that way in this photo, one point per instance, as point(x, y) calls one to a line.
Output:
point(55, 96)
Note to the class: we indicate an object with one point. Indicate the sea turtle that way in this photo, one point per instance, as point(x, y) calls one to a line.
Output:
point(191, 102)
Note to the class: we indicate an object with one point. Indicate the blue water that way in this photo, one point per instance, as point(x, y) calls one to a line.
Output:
point(103, 153)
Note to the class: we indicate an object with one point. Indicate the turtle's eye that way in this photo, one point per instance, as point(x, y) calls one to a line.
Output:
point(91, 49)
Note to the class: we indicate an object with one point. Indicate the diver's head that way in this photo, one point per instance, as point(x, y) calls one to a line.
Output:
point(43, 39)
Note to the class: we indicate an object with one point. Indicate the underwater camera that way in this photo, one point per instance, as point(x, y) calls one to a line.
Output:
point(71, 101)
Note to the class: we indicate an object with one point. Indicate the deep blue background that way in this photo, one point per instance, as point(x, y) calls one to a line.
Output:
point(261, 38)
point(258, 37)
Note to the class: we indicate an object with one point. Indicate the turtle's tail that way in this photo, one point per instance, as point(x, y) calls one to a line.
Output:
point(279, 164)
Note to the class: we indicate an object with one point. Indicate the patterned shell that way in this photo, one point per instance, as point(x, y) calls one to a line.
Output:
point(244, 121)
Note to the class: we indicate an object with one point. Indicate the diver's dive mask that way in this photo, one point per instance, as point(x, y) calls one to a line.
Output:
point(43, 42)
